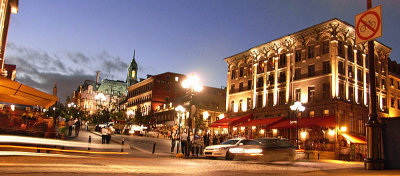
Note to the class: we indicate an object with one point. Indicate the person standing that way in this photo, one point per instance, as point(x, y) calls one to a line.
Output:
point(70, 125)
point(103, 135)
point(173, 141)
point(184, 143)
point(77, 126)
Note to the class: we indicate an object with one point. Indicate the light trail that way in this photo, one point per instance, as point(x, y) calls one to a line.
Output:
point(61, 150)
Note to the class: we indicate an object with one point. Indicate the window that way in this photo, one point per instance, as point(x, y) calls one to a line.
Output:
point(259, 101)
point(249, 84)
point(297, 73)
point(383, 83)
point(232, 105)
point(271, 79)
point(240, 86)
point(311, 113)
point(241, 71)
point(359, 58)
point(325, 47)
point(398, 103)
point(326, 89)
point(351, 93)
point(282, 97)
point(326, 66)
point(391, 82)
point(233, 74)
point(270, 99)
point(341, 67)
point(282, 60)
point(360, 96)
point(249, 103)
point(260, 68)
point(311, 51)
point(392, 102)
point(311, 70)
point(282, 76)
point(341, 49)
point(249, 70)
point(350, 71)
point(298, 56)
point(350, 53)
point(341, 91)
point(232, 90)
point(325, 112)
point(360, 75)
point(260, 82)
point(297, 94)
point(311, 94)
point(240, 105)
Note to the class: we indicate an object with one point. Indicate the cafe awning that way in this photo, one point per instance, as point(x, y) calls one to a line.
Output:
point(355, 139)
point(262, 122)
point(305, 122)
point(17, 93)
point(226, 122)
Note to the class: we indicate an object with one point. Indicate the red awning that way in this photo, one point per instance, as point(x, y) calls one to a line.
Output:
point(225, 122)
point(306, 122)
point(262, 122)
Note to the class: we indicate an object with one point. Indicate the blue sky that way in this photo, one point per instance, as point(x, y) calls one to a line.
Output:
point(66, 41)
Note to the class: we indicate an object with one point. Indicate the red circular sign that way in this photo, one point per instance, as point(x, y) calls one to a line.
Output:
point(366, 25)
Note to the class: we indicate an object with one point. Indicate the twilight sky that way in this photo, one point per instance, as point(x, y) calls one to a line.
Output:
point(67, 41)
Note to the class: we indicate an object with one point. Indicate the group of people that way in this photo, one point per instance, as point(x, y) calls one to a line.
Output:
point(74, 124)
point(194, 145)
point(106, 133)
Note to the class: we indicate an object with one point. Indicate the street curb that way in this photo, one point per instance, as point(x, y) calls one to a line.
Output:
point(136, 148)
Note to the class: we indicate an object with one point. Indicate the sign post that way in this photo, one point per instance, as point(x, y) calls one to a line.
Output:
point(368, 27)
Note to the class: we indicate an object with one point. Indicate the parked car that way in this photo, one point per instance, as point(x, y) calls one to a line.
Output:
point(222, 150)
point(266, 149)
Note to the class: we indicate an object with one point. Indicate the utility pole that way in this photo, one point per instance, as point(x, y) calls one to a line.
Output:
point(374, 160)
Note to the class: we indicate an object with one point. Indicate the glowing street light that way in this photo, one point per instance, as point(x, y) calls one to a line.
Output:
point(193, 85)
point(298, 107)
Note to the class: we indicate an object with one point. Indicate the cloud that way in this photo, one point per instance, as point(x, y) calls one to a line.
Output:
point(41, 69)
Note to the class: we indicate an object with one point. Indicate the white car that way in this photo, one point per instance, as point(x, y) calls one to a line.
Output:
point(222, 150)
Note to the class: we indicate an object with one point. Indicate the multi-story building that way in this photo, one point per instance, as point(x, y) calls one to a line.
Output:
point(93, 95)
point(320, 66)
point(209, 103)
point(393, 85)
point(154, 91)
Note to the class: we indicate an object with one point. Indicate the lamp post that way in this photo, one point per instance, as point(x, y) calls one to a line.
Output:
point(193, 85)
point(180, 110)
point(297, 107)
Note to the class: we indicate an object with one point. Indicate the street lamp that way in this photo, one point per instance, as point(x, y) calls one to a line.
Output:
point(297, 107)
point(193, 85)
point(180, 110)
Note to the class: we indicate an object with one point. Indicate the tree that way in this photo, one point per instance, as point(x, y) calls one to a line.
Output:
point(140, 119)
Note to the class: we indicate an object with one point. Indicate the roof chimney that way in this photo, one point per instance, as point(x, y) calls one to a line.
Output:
point(97, 77)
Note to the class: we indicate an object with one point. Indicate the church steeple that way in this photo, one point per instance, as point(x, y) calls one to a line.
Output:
point(132, 71)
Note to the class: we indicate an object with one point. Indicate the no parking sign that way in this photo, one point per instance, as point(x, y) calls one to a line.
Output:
point(369, 25)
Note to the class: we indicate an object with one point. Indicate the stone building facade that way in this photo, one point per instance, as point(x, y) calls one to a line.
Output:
point(320, 66)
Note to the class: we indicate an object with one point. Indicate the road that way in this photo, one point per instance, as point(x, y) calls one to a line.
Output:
point(139, 162)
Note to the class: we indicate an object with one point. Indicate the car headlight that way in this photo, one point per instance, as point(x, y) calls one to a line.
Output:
point(253, 151)
point(236, 150)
